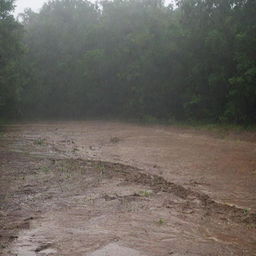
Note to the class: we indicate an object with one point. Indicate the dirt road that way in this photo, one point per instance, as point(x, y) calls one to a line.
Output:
point(108, 188)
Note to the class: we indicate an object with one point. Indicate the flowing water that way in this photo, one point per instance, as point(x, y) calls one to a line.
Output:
point(109, 188)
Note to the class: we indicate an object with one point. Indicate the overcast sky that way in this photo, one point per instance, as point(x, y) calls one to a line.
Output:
point(35, 5)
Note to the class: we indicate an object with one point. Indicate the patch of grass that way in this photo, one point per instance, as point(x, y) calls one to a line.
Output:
point(150, 119)
point(161, 221)
point(69, 176)
point(114, 140)
point(246, 211)
point(45, 169)
point(217, 127)
point(2, 128)
point(75, 150)
point(146, 193)
point(251, 226)
point(2, 246)
point(63, 169)
point(100, 166)
point(39, 141)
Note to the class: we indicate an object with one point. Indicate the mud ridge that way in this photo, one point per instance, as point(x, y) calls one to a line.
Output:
point(84, 187)
point(159, 184)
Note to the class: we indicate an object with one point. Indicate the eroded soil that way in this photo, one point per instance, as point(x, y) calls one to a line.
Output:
point(108, 188)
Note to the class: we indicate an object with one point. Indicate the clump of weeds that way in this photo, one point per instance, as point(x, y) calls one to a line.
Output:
point(45, 169)
point(114, 140)
point(100, 167)
point(161, 221)
point(74, 150)
point(246, 211)
point(251, 226)
point(39, 141)
point(145, 193)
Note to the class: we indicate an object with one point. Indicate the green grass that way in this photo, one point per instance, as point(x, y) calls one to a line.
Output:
point(2, 246)
point(161, 221)
point(45, 169)
point(215, 127)
point(39, 141)
point(145, 193)
point(219, 127)
point(114, 140)
point(2, 124)
point(190, 124)
point(246, 211)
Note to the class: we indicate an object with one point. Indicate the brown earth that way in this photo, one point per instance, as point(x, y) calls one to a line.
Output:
point(108, 188)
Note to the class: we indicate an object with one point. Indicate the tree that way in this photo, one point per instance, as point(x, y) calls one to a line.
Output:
point(137, 58)
point(10, 56)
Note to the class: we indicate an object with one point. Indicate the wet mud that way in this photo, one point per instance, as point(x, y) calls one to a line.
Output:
point(61, 195)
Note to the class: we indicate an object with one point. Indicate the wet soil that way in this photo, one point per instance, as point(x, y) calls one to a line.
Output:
point(108, 188)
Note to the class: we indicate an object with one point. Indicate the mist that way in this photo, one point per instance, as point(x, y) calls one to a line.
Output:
point(127, 127)
point(139, 59)
point(21, 5)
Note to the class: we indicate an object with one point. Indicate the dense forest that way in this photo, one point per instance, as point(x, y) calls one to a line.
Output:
point(190, 60)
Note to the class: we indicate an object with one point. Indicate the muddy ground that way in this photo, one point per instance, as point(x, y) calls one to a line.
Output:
point(108, 188)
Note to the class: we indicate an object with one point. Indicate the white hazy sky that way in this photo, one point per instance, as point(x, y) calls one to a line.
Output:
point(35, 5)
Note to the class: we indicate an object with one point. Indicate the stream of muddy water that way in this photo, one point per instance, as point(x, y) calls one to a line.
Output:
point(97, 188)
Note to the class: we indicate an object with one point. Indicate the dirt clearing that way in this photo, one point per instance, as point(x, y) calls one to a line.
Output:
point(107, 188)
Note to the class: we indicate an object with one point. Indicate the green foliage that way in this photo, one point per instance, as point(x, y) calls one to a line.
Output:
point(10, 64)
point(194, 61)
point(115, 140)
point(241, 106)
point(146, 193)
point(246, 211)
point(161, 221)
point(39, 141)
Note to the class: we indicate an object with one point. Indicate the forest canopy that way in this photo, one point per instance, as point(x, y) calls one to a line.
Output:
point(193, 60)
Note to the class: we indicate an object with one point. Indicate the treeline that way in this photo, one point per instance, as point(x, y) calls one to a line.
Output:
point(195, 60)
point(11, 50)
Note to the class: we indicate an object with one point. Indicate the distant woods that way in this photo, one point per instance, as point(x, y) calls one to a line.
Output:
point(195, 60)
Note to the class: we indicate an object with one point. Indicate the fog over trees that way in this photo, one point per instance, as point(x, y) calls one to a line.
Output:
point(130, 58)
